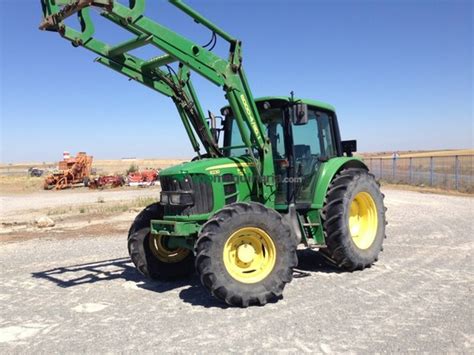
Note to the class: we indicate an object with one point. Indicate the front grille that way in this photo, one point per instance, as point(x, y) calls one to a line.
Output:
point(230, 188)
point(198, 184)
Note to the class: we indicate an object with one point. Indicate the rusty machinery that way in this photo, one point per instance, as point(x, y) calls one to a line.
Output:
point(71, 171)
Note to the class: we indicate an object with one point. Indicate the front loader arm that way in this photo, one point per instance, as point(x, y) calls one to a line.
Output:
point(227, 74)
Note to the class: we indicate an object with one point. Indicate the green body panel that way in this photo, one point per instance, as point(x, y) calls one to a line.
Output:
point(173, 228)
point(316, 232)
point(326, 174)
point(203, 165)
point(181, 234)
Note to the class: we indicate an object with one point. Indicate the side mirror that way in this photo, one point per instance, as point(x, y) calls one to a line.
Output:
point(299, 114)
point(349, 147)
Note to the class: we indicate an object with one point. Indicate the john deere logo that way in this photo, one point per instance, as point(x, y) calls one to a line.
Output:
point(253, 123)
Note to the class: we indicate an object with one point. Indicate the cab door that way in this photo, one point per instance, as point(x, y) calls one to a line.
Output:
point(314, 143)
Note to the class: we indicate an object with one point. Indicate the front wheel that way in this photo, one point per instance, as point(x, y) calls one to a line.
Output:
point(353, 219)
point(151, 255)
point(245, 254)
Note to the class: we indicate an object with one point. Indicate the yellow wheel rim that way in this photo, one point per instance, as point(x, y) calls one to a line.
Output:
point(163, 253)
point(363, 220)
point(249, 255)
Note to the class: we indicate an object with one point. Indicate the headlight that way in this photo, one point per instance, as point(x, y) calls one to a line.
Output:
point(177, 198)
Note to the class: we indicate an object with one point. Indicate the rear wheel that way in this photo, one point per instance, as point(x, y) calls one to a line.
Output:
point(354, 219)
point(150, 253)
point(245, 254)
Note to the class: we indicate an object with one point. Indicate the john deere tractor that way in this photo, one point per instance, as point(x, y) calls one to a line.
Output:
point(269, 174)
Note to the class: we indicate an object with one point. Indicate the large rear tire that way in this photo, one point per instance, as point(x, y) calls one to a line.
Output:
point(149, 253)
point(354, 220)
point(245, 254)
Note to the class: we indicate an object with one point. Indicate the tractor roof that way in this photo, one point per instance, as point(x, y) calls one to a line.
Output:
point(310, 102)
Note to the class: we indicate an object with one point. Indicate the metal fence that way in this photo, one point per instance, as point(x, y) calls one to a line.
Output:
point(446, 172)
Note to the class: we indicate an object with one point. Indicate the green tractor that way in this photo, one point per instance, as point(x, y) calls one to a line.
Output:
point(272, 175)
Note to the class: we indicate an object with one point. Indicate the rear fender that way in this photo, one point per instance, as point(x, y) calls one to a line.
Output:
point(327, 172)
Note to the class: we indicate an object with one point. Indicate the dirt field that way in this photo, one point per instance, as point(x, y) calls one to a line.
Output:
point(72, 210)
point(74, 290)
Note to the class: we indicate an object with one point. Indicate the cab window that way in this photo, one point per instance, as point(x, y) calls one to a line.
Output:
point(314, 143)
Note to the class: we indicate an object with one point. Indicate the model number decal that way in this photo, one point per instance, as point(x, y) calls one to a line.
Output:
point(253, 123)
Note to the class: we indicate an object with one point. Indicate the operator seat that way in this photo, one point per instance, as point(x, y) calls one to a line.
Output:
point(303, 156)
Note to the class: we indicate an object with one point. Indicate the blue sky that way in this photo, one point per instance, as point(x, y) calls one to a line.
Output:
point(398, 72)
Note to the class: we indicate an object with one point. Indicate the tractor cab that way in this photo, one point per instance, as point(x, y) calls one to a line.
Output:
point(303, 135)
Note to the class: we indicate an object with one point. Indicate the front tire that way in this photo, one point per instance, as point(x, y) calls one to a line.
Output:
point(353, 218)
point(245, 254)
point(149, 253)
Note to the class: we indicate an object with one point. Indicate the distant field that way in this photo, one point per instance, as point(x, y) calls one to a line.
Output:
point(118, 166)
point(443, 171)
point(421, 154)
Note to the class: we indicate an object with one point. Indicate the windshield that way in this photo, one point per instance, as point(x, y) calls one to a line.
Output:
point(313, 143)
point(272, 118)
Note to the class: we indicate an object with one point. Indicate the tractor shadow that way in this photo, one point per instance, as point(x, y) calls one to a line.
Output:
point(123, 269)
point(309, 262)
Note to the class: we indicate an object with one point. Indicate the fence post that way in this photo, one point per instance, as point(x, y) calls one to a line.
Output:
point(431, 171)
point(456, 172)
point(394, 168)
point(410, 171)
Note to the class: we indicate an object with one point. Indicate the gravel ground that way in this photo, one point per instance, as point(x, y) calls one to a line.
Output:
point(82, 295)
point(11, 205)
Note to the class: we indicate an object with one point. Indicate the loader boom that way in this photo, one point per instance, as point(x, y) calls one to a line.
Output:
point(157, 74)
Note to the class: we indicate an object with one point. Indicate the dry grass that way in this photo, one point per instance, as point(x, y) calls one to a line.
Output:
point(102, 208)
point(20, 184)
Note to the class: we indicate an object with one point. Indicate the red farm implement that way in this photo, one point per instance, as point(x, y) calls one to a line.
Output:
point(107, 181)
point(71, 172)
point(142, 178)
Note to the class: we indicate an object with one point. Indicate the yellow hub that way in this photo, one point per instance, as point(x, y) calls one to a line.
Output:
point(246, 253)
point(249, 255)
point(363, 220)
point(163, 253)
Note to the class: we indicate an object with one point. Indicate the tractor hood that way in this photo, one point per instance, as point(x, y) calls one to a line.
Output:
point(211, 166)
point(196, 190)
